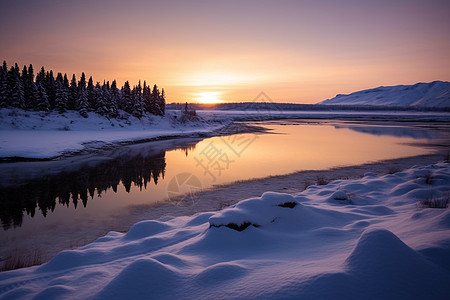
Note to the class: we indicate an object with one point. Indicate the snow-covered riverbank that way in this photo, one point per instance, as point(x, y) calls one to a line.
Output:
point(40, 135)
point(369, 238)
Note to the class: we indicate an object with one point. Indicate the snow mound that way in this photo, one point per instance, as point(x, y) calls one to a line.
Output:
point(305, 246)
point(276, 211)
point(433, 94)
point(141, 278)
point(381, 258)
point(379, 250)
point(255, 211)
point(144, 229)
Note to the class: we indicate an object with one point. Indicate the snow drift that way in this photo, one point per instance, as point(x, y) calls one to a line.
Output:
point(433, 94)
point(371, 238)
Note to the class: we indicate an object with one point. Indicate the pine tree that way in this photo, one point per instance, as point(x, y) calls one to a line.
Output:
point(115, 99)
point(40, 77)
point(33, 100)
point(83, 104)
point(101, 107)
point(91, 95)
point(61, 97)
point(126, 97)
point(17, 97)
point(50, 88)
point(3, 85)
point(66, 81)
point(150, 101)
point(5, 67)
point(17, 69)
point(24, 77)
point(137, 109)
point(73, 93)
point(146, 95)
point(107, 93)
point(162, 103)
point(82, 82)
point(27, 81)
point(155, 101)
point(43, 104)
point(31, 73)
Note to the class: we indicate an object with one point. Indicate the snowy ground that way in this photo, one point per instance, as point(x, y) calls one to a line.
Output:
point(44, 135)
point(368, 238)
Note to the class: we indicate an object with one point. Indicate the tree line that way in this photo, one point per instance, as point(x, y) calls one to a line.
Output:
point(44, 92)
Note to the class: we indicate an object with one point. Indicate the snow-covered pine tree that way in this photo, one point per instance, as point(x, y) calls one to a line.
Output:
point(137, 109)
point(26, 86)
point(100, 93)
point(5, 67)
point(146, 96)
point(150, 101)
point(115, 99)
point(33, 100)
point(17, 97)
point(73, 93)
point(3, 85)
point(40, 77)
point(82, 83)
point(61, 97)
point(162, 103)
point(66, 81)
point(50, 88)
point(126, 103)
point(31, 73)
point(30, 92)
point(91, 95)
point(43, 104)
point(108, 99)
point(17, 69)
point(83, 103)
point(155, 100)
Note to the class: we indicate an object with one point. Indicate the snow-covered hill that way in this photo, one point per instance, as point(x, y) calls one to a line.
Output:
point(433, 94)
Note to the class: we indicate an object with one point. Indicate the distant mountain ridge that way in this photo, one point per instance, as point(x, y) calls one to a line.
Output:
point(432, 94)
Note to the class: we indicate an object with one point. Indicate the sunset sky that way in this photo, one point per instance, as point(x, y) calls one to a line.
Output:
point(294, 51)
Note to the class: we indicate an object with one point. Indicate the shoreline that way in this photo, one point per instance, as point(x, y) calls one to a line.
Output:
point(228, 129)
point(219, 197)
point(210, 123)
point(215, 199)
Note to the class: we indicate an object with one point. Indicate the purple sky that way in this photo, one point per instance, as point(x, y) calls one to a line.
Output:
point(295, 51)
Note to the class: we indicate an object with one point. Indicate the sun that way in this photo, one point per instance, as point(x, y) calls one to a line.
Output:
point(208, 97)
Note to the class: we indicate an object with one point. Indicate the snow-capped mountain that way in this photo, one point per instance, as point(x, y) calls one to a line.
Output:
point(433, 94)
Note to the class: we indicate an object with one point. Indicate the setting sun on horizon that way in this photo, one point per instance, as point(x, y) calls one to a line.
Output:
point(208, 98)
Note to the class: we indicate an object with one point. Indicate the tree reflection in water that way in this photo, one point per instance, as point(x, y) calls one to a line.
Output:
point(48, 191)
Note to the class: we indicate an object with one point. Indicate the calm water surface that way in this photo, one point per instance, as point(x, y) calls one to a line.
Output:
point(85, 191)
